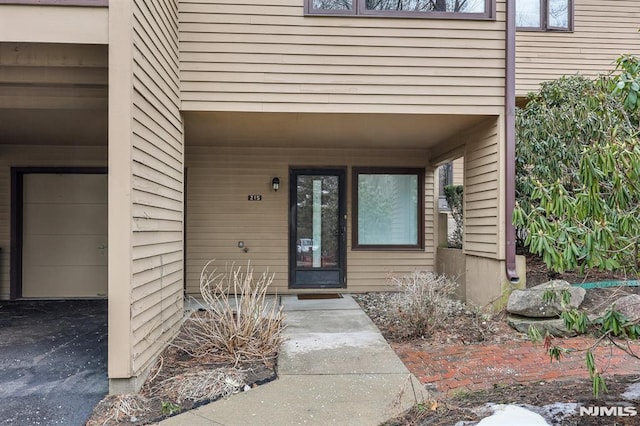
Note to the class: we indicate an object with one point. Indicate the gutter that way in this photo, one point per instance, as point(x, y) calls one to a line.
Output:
point(510, 140)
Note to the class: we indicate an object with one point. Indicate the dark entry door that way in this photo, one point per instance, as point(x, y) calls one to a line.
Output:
point(317, 228)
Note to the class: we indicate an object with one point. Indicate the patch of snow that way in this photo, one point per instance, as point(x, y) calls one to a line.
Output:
point(557, 411)
point(632, 393)
point(552, 413)
point(509, 415)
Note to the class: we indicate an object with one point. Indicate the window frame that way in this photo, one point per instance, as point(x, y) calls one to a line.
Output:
point(359, 10)
point(544, 19)
point(420, 173)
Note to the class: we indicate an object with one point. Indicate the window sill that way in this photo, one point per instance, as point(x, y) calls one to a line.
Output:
point(438, 16)
point(387, 248)
point(542, 30)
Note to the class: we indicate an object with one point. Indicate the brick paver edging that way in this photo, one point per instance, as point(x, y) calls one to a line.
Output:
point(473, 367)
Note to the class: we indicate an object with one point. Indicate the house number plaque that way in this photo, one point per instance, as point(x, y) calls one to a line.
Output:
point(255, 197)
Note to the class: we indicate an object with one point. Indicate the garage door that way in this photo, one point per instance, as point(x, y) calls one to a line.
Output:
point(64, 251)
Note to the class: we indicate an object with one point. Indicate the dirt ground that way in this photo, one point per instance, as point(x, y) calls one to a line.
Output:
point(471, 406)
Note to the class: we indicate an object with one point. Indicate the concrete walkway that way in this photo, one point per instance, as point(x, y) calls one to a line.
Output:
point(334, 368)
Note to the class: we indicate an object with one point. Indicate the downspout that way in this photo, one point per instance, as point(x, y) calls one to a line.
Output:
point(510, 142)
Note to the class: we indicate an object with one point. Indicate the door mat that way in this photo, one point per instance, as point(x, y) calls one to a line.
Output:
point(315, 296)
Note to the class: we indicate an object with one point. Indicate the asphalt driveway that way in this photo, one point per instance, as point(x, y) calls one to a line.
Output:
point(53, 361)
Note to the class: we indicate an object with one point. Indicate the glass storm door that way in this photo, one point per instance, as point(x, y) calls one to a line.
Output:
point(317, 228)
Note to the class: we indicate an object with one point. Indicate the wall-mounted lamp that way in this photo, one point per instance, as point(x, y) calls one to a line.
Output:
point(275, 183)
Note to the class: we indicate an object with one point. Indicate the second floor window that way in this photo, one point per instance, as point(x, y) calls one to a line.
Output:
point(403, 8)
point(544, 15)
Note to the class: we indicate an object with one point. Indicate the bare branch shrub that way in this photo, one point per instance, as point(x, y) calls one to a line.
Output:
point(423, 304)
point(238, 324)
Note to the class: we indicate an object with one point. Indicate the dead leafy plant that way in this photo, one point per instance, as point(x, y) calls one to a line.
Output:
point(204, 385)
point(121, 408)
point(239, 323)
point(423, 303)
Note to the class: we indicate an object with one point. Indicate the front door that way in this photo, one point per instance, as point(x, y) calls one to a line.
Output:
point(317, 234)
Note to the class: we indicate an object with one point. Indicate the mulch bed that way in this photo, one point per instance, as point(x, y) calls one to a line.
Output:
point(159, 397)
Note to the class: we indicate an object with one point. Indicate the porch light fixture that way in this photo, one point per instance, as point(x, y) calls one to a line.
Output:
point(275, 183)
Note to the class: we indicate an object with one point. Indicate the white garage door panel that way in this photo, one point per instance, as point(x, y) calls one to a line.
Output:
point(66, 281)
point(64, 235)
point(59, 188)
point(65, 219)
point(65, 250)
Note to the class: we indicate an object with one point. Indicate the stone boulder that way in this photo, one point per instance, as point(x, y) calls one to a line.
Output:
point(529, 302)
point(555, 327)
point(629, 306)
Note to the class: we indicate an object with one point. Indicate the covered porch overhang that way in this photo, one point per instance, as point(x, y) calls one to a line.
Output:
point(230, 155)
point(327, 130)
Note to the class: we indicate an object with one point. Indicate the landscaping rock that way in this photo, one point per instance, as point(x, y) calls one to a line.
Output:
point(529, 302)
point(555, 327)
point(629, 306)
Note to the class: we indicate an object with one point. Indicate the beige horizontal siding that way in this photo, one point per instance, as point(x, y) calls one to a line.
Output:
point(42, 23)
point(267, 56)
point(157, 182)
point(458, 171)
point(219, 215)
point(483, 203)
point(603, 30)
point(34, 156)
